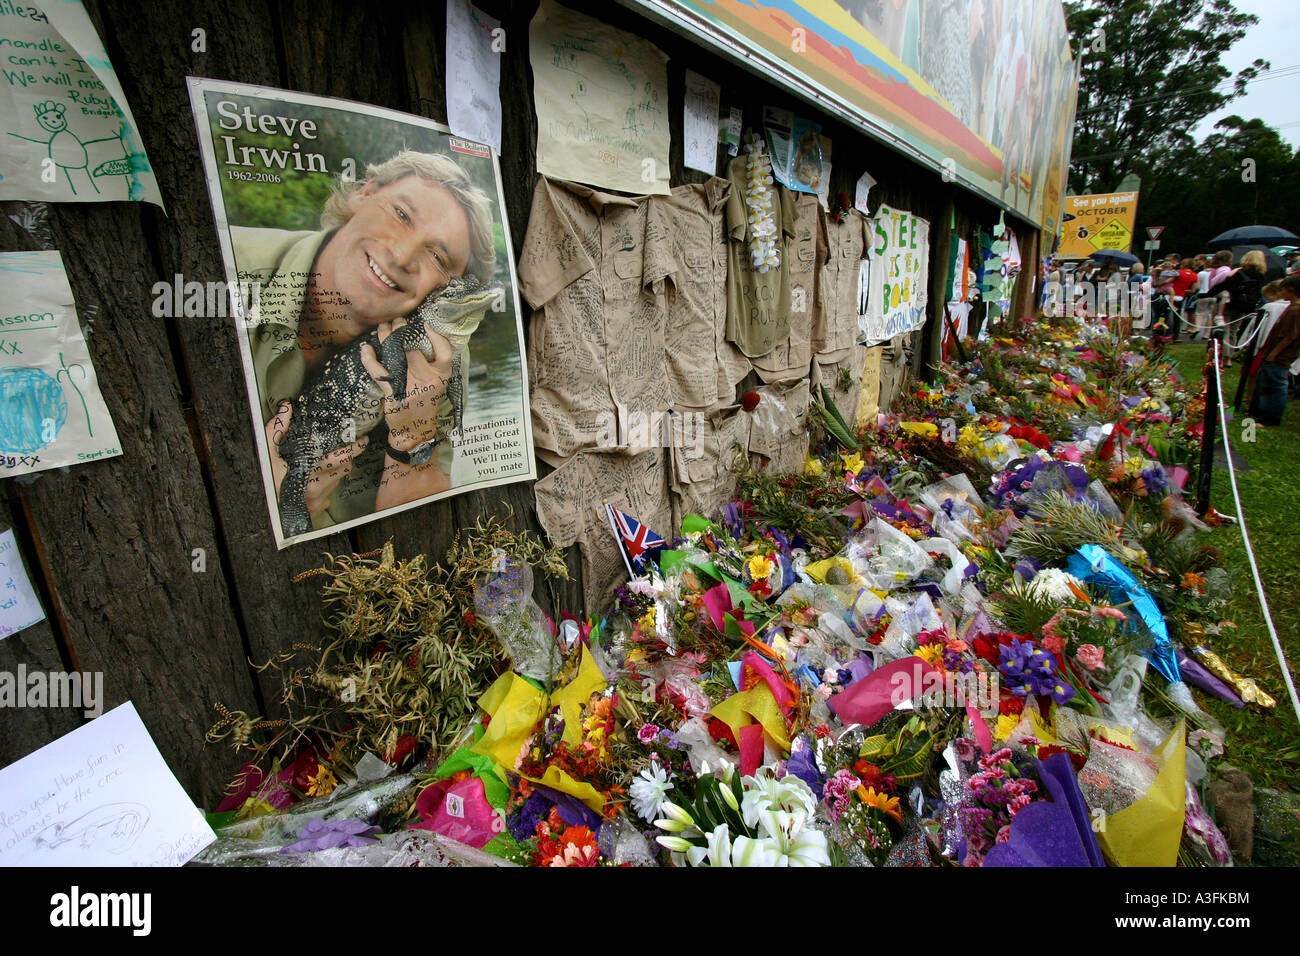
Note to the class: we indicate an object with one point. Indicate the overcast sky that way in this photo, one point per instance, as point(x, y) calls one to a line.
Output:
point(1271, 98)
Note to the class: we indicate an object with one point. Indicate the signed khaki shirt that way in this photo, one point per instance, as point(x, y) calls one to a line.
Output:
point(703, 367)
point(593, 267)
point(790, 360)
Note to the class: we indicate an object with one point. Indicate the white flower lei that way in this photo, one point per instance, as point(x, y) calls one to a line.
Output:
point(760, 197)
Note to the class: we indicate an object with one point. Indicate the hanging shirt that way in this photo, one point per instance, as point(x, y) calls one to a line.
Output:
point(703, 367)
point(758, 303)
point(843, 246)
point(790, 359)
point(593, 267)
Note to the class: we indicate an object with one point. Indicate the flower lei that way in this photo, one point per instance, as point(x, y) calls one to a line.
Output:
point(760, 197)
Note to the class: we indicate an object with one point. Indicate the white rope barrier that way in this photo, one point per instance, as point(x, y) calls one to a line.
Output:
point(1250, 552)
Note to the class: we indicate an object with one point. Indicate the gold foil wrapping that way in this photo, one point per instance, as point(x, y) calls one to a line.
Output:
point(1245, 687)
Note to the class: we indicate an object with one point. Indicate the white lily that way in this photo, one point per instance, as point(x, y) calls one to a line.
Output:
point(674, 843)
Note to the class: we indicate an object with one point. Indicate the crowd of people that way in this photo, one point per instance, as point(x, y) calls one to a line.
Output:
point(1188, 297)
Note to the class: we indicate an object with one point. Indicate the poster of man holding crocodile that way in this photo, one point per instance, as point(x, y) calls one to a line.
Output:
point(380, 327)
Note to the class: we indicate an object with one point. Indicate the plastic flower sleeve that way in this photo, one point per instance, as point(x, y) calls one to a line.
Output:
point(955, 502)
point(1141, 798)
point(886, 557)
point(503, 601)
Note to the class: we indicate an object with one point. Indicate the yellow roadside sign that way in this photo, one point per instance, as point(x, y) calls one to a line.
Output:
point(1101, 221)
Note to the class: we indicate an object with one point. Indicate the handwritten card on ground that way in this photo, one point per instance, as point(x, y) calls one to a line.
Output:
point(602, 103)
point(700, 123)
point(19, 607)
point(67, 133)
point(474, 42)
point(99, 796)
point(51, 411)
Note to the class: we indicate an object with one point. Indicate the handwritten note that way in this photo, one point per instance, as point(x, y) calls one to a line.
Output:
point(863, 190)
point(99, 796)
point(51, 412)
point(68, 135)
point(602, 103)
point(700, 123)
point(474, 45)
point(898, 286)
point(19, 607)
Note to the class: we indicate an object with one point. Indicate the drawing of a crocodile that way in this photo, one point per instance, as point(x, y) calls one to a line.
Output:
point(341, 402)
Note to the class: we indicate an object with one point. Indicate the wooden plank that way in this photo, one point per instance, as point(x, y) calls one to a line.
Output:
point(27, 729)
point(270, 611)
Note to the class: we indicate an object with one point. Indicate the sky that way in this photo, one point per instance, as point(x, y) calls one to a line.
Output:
point(1271, 98)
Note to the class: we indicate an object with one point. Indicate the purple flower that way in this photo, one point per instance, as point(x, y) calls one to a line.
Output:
point(321, 835)
point(1155, 480)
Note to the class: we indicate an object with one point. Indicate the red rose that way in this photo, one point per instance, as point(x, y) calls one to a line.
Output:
point(749, 401)
point(1011, 704)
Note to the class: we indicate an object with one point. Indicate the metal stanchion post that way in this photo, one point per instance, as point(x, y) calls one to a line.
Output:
point(1210, 429)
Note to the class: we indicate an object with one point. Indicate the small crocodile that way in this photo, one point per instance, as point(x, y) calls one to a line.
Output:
point(341, 402)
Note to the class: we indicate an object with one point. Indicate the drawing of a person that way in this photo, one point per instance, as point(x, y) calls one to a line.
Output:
point(65, 148)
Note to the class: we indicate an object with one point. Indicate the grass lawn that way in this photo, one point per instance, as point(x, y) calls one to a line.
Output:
point(1265, 743)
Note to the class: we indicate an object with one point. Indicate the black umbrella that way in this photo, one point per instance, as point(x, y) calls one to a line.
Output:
point(1254, 236)
point(1115, 256)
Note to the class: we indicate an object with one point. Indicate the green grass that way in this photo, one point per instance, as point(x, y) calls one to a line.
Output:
point(1266, 743)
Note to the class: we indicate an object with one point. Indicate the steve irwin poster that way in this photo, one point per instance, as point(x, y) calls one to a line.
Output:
point(371, 277)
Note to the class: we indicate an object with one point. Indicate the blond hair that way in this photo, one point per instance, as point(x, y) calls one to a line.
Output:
point(1255, 261)
point(438, 170)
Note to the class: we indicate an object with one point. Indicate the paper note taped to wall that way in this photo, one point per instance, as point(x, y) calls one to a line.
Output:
point(700, 123)
point(68, 134)
point(602, 103)
point(99, 796)
point(19, 607)
point(475, 42)
point(51, 412)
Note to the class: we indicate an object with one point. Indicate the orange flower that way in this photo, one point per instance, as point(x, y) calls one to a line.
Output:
point(879, 801)
point(576, 846)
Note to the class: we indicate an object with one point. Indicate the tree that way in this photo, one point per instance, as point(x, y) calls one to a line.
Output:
point(1150, 72)
point(1242, 173)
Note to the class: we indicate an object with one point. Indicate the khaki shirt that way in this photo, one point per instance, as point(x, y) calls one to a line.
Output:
point(593, 267)
point(703, 367)
point(843, 246)
point(789, 361)
point(758, 304)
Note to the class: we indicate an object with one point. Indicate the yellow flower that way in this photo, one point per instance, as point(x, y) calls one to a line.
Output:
point(931, 653)
point(760, 566)
point(647, 621)
point(322, 784)
point(811, 466)
point(853, 463)
point(1007, 723)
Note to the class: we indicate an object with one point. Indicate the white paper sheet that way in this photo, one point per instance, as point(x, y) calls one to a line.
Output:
point(68, 134)
point(19, 607)
point(101, 795)
point(473, 74)
point(700, 123)
point(865, 182)
point(51, 412)
point(602, 103)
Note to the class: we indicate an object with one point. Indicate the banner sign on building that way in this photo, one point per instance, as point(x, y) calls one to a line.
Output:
point(983, 92)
